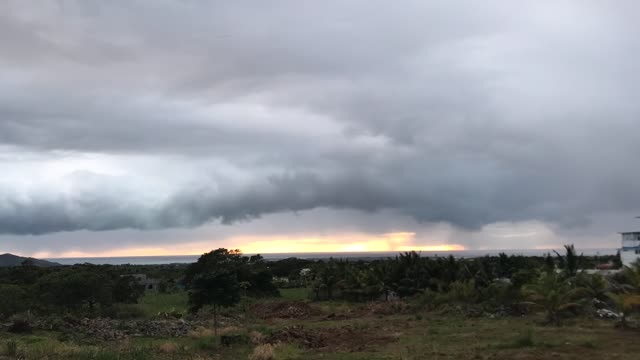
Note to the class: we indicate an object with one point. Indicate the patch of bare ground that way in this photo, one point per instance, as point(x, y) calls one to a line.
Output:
point(285, 310)
point(344, 339)
point(376, 308)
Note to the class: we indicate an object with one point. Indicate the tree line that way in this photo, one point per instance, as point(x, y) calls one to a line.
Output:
point(222, 278)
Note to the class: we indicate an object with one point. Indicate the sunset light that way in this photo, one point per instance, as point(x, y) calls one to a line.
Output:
point(350, 242)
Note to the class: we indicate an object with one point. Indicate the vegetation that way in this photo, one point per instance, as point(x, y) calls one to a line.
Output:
point(219, 278)
point(407, 307)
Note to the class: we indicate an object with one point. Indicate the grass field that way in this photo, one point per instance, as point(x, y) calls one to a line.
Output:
point(154, 302)
point(295, 294)
point(343, 331)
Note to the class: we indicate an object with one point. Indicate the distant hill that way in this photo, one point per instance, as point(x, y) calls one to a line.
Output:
point(14, 260)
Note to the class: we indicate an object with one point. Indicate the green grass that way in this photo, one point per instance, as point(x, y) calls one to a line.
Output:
point(289, 352)
point(154, 302)
point(295, 293)
point(11, 348)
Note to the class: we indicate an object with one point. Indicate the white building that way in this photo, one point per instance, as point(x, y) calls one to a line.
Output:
point(630, 251)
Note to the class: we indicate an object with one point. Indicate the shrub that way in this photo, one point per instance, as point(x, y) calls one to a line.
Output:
point(263, 352)
point(463, 291)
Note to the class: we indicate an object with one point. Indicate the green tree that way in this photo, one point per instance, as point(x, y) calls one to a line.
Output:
point(570, 261)
point(549, 264)
point(617, 260)
point(76, 287)
point(14, 299)
point(624, 304)
point(593, 286)
point(127, 290)
point(214, 280)
point(327, 277)
point(554, 294)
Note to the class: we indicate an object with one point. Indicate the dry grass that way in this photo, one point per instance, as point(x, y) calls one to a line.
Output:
point(257, 338)
point(229, 330)
point(201, 332)
point(168, 348)
point(263, 352)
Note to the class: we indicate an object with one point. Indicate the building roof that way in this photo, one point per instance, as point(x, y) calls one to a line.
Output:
point(630, 232)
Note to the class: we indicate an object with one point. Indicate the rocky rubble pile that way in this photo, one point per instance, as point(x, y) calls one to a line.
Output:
point(109, 329)
point(285, 310)
point(606, 314)
point(347, 338)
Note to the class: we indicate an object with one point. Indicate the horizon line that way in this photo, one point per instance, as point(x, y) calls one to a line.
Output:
point(332, 252)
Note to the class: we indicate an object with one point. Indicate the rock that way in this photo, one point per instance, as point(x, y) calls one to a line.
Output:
point(607, 314)
point(110, 329)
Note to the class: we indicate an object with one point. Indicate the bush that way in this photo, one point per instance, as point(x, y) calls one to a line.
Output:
point(463, 291)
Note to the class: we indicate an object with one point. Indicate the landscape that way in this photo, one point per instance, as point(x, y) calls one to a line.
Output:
point(307, 180)
point(230, 306)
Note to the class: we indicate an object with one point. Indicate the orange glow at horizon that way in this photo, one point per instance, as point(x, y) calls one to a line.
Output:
point(350, 242)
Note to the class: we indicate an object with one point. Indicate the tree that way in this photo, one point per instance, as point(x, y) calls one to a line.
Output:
point(326, 278)
point(127, 290)
point(218, 288)
point(617, 260)
point(13, 300)
point(624, 304)
point(549, 264)
point(570, 261)
point(554, 294)
point(214, 280)
point(593, 286)
point(76, 287)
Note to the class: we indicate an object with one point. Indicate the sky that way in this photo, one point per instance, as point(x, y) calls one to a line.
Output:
point(179, 126)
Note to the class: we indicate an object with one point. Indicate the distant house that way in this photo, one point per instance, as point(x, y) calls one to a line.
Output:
point(148, 283)
point(630, 251)
point(605, 266)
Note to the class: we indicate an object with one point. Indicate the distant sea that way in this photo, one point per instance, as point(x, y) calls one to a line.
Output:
point(186, 259)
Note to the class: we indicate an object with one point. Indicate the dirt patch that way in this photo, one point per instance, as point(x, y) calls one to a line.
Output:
point(386, 308)
point(381, 308)
point(285, 310)
point(345, 338)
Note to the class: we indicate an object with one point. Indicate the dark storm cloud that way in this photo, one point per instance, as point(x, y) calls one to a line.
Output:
point(468, 114)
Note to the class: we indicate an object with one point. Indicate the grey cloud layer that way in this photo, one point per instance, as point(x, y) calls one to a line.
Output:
point(462, 113)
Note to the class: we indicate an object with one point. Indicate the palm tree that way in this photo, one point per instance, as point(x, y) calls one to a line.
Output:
point(627, 299)
point(554, 294)
point(624, 304)
point(570, 261)
point(593, 286)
